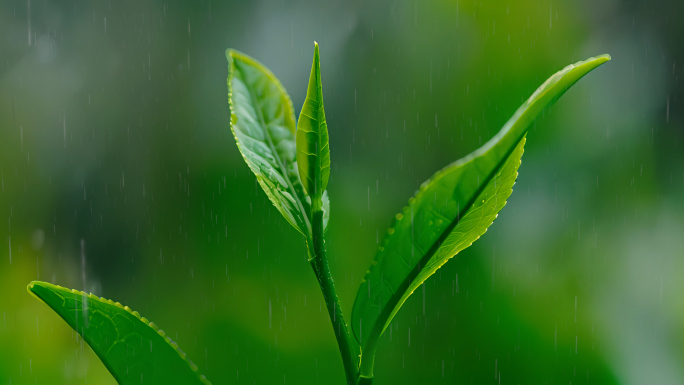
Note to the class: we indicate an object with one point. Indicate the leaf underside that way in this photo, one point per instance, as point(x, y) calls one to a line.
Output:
point(313, 152)
point(134, 350)
point(450, 211)
point(263, 123)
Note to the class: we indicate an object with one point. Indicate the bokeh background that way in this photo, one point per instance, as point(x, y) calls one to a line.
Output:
point(119, 176)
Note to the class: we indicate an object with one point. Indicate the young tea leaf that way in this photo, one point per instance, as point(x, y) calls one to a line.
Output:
point(133, 349)
point(263, 123)
point(313, 152)
point(449, 212)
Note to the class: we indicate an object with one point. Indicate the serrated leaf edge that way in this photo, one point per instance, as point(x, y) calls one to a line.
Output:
point(144, 320)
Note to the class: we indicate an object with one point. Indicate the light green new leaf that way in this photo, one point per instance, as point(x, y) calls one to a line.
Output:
point(263, 123)
point(313, 152)
point(133, 349)
point(449, 212)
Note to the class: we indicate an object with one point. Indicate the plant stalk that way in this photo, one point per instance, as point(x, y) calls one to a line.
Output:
point(367, 361)
point(346, 344)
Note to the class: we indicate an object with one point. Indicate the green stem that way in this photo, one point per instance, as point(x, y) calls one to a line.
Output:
point(320, 265)
point(367, 361)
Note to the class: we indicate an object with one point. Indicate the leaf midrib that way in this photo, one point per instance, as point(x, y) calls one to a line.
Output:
point(406, 283)
point(281, 164)
point(317, 98)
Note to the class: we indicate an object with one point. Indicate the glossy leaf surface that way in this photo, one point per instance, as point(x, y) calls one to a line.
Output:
point(133, 349)
point(449, 212)
point(313, 152)
point(263, 123)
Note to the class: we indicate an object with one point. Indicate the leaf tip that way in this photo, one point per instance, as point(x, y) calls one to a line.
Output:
point(233, 54)
point(316, 55)
point(597, 60)
point(40, 290)
point(30, 289)
point(35, 286)
point(230, 53)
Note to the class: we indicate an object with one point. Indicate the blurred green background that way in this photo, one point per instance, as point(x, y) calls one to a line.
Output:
point(119, 176)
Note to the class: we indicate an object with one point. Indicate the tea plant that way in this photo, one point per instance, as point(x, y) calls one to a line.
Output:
point(291, 161)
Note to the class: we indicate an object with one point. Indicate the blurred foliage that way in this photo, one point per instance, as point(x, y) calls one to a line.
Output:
point(119, 176)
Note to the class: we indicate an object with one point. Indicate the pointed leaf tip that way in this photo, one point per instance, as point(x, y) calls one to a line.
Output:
point(313, 152)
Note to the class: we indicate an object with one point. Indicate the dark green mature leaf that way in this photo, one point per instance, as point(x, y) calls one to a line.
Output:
point(313, 152)
point(262, 121)
point(449, 212)
point(133, 349)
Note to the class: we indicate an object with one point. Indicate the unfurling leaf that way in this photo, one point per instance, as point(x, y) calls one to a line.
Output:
point(313, 152)
point(133, 349)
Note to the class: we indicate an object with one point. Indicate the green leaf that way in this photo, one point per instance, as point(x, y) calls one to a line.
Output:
point(133, 349)
point(313, 152)
point(449, 212)
point(262, 121)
